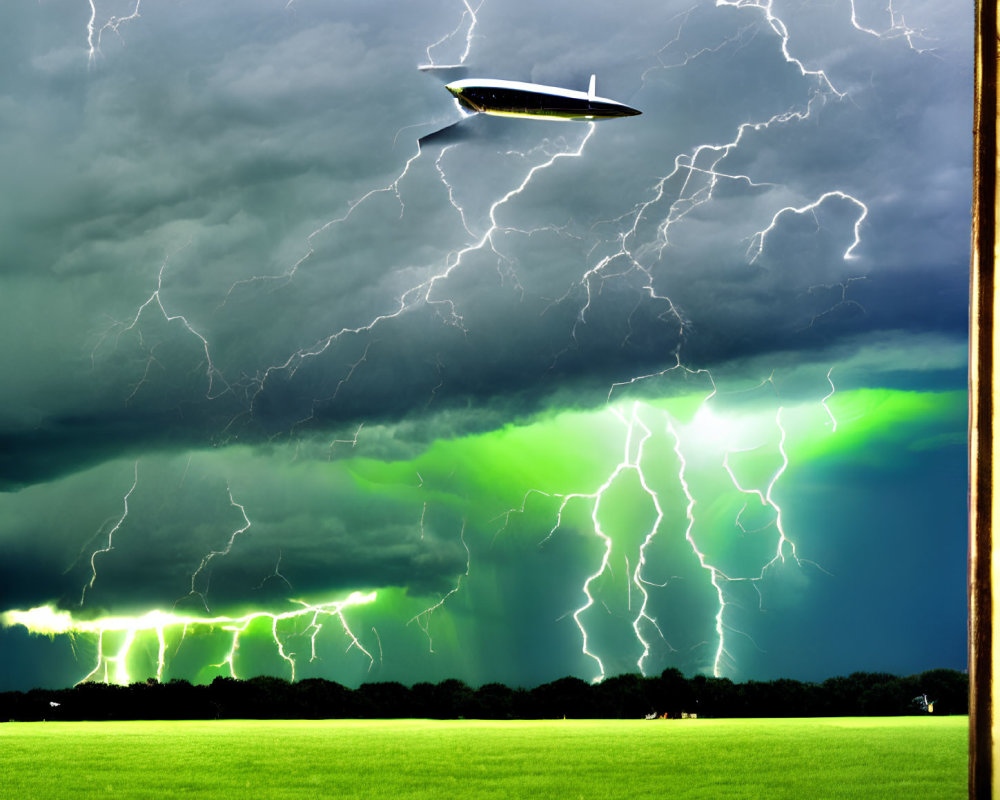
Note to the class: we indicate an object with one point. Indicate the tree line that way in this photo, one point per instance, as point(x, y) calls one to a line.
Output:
point(670, 694)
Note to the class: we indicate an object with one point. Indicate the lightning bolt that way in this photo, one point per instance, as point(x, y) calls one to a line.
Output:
point(631, 462)
point(423, 619)
point(810, 208)
point(697, 174)
point(470, 15)
point(275, 574)
point(897, 27)
point(110, 545)
point(353, 441)
point(639, 434)
point(155, 299)
point(422, 293)
point(766, 497)
point(691, 184)
point(202, 594)
point(45, 620)
point(91, 49)
point(716, 576)
point(113, 23)
point(833, 389)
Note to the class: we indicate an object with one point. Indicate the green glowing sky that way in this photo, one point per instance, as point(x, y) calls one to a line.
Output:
point(853, 503)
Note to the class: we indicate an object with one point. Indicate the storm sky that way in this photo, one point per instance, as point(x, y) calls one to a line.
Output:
point(686, 389)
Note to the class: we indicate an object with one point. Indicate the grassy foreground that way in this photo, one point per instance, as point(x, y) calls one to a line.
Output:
point(567, 759)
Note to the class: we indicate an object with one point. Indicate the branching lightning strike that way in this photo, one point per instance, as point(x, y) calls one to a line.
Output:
point(113, 23)
point(202, 593)
point(48, 621)
point(637, 434)
point(111, 536)
point(423, 619)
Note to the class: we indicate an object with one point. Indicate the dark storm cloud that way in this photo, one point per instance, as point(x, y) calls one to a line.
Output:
point(198, 154)
point(187, 537)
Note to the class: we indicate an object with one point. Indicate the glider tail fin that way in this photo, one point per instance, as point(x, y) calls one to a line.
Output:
point(447, 73)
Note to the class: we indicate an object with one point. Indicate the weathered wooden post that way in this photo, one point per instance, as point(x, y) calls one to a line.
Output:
point(984, 502)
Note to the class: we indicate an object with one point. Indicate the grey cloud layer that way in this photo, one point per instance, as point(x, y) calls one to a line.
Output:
point(197, 154)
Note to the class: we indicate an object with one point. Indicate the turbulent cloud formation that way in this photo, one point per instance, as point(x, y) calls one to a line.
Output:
point(684, 389)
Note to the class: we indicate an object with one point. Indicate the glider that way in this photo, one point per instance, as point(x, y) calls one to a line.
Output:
point(503, 98)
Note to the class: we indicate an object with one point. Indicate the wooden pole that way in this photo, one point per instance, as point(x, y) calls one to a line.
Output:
point(984, 509)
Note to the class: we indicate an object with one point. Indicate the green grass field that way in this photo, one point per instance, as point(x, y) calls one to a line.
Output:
point(805, 759)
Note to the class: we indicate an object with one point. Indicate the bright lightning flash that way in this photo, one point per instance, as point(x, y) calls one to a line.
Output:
point(650, 435)
point(113, 667)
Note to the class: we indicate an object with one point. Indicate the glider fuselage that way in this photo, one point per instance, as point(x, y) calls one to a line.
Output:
point(534, 100)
